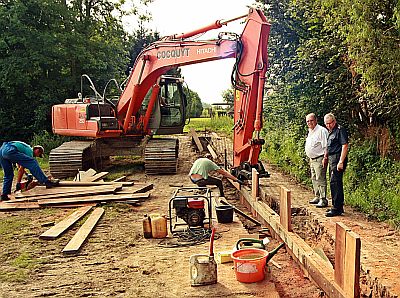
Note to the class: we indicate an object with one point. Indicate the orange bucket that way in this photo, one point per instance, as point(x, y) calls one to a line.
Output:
point(249, 264)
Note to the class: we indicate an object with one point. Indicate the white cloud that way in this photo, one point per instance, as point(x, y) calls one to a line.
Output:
point(179, 16)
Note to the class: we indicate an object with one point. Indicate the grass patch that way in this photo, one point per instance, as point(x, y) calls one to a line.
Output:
point(223, 124)
point(19, 268)
point(12, 225)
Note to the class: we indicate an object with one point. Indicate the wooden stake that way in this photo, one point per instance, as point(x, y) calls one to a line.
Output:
point(340, 250)
point(286, 209)
point(255, 186)
point(352, 265)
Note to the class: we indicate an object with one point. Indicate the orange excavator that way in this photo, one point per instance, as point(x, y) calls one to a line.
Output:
point(153, 103)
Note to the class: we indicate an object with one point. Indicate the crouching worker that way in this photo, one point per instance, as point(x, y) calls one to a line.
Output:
point(202, 167)
point(23, 155)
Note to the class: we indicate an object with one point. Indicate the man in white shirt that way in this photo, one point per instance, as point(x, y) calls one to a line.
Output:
point(315, 148)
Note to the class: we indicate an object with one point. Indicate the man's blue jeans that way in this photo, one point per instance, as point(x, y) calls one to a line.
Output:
point(9, 155)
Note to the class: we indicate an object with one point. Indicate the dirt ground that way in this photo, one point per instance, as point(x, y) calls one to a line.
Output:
point(117, 261)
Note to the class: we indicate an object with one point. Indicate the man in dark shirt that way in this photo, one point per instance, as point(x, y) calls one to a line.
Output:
point(336, 154)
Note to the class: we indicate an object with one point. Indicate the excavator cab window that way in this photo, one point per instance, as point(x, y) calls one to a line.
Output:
point(169, 112)
point(170, 98)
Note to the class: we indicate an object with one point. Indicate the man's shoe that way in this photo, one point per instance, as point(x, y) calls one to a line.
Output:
point(5, 198)
point(52, 183)
point(333, 212)
point(314, 201)
point(323, 203)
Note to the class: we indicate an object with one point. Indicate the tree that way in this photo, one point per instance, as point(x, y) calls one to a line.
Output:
point(141, 38)
point(194, 106)
point(45, 46)
point(228, 96)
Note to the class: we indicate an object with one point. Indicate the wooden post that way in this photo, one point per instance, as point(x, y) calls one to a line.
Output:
point(286, 209)
point(340, 249)
point(255, 186)
point(347, 260)
point(352, 265)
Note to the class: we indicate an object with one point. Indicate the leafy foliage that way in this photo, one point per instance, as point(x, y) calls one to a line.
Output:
point(194, 106)
point(341, 57)
point(45, 46)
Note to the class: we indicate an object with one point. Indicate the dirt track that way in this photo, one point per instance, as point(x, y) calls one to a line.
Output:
point(117, 261)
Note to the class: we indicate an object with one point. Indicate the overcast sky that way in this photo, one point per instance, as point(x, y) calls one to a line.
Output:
point(208, 79)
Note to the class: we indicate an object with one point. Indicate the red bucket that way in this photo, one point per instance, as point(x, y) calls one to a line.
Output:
point(249, 264)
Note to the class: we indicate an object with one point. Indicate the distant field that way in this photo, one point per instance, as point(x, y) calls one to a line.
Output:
point(222, 124)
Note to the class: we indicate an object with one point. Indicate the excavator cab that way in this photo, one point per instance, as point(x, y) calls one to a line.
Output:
point(169, 111)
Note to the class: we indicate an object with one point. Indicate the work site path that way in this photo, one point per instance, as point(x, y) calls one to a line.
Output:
point(117, 261)
point(380, 243)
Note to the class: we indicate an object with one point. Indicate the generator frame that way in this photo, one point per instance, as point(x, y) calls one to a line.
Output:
point(198, 193)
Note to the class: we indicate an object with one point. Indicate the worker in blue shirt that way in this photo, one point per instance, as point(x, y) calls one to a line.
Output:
point(20, 153)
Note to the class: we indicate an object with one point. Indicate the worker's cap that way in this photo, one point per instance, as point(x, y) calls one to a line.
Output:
point(41, 150)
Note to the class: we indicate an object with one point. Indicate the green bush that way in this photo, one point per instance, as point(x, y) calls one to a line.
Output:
point(286, 151)
point(371, 183)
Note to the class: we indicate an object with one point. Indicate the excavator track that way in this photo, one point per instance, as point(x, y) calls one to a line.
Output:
point(67, 159)
point(161, 156)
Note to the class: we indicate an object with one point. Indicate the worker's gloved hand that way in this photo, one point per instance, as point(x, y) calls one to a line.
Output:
point(18, 186)
point(240, 182)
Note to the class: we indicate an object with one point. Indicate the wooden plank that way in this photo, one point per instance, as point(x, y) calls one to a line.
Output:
point(120, 179)
point(212, 152)
point(82, 183)
point(196, 140)
point(286, 209)
point(340, 250)
point(90, 172)
point(104, 198)
point(133, 189)
point(12, 206)
point(76, 205)
point(255, 186)
point(80, 237)
point(352, 265)
point(65, 224)
point(54, 191)
point(95, 177)
point(82, 192)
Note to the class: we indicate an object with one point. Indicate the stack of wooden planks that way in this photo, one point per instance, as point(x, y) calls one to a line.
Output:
point(85, 190)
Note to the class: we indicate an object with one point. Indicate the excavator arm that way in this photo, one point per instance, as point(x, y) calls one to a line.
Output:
point(250, 51)
point(140, 112)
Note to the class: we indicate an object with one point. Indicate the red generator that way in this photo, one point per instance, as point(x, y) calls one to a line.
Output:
point(190, 207)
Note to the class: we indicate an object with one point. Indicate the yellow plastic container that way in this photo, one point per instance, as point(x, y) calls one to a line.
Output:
point(159, 227)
